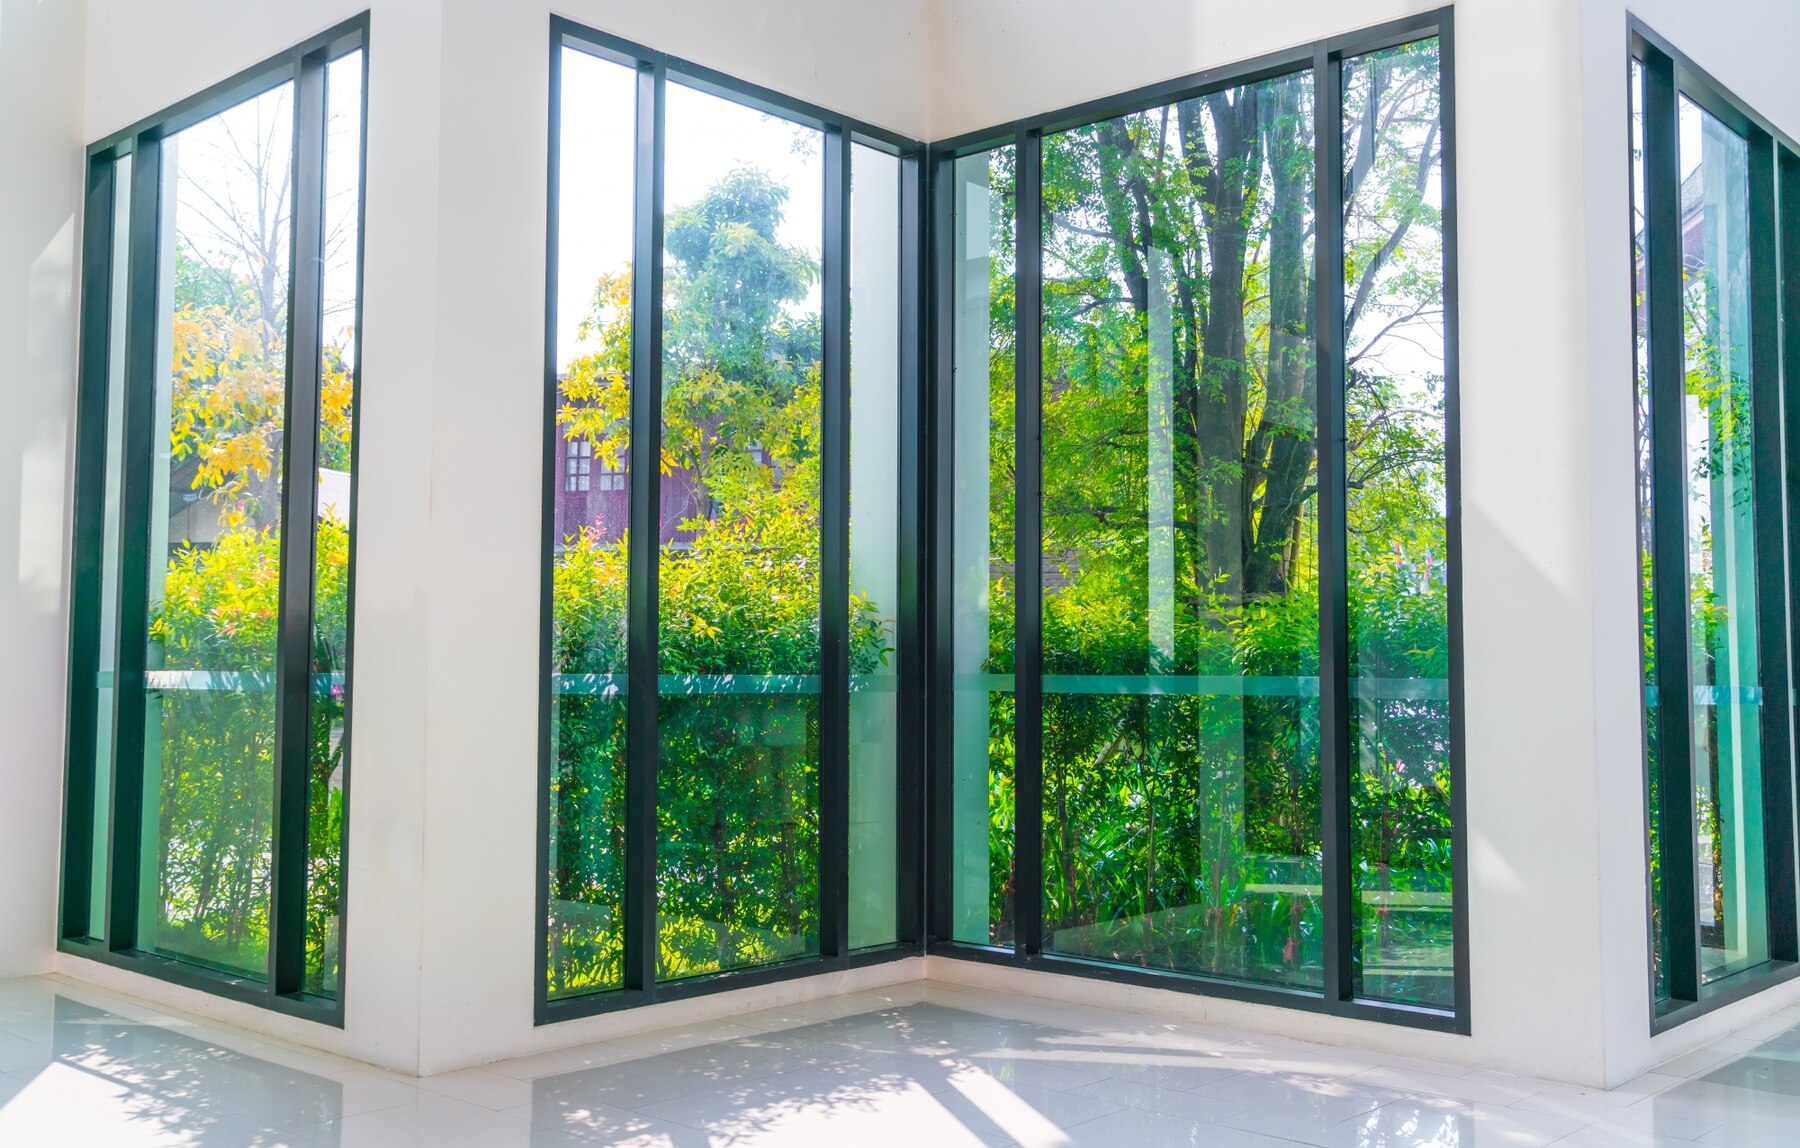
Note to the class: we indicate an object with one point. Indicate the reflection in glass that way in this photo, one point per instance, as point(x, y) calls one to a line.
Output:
point(215, 538)
point(1721, 574)
point(1396, 514)
point(982, 806)
point(1646, 530)
point(874, 544)
point(106, 661)
point(332, 525)
point(1181, 719)
point(588, 637)
point(738, 754)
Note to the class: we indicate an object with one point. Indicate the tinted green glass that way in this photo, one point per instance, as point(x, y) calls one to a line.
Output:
point(333, 529)
point(874, 544)
point(982, 804)
point(592, 489)
point(1181, 713)
point(105, 695)
point(1721, 527)
point(1398, 555)
point(738, 576)
point(215, 539)
point(1646, 534)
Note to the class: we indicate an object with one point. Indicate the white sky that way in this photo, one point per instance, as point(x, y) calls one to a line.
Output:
point(707, 137)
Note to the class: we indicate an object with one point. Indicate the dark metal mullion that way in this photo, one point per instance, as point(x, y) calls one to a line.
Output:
point(1663, 276)
point(86, 571)
point(834, 556)
point(646, 522)
point(1028, 596)
point(552, 480)
point(299, 499)
point(1459, 789)
point(1338, 909)
point(912, 550)
point(939, 483)
point(1788, 216)
point(137, 457)
point(1770, 559)
point(347, 761)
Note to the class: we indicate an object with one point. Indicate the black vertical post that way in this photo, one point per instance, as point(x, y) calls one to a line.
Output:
point(347, 762)
point(1788, 213)
point(85, 563)
point(939, 487)
point(299, 499)
point(1459, 790)
point(1771, 561)
point(834, 556)
point(646, 533)
point(1028, 597)
point(1663, 290)
point(1335, 758)
point(142, 366)
point(546, 818)
point(912, 548)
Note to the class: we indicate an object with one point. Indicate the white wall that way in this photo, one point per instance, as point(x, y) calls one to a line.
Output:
point(998, 60)
point(443, 812)
point(1744, 45)
point(1555, 794)
point(440, 929)
point(40, 188)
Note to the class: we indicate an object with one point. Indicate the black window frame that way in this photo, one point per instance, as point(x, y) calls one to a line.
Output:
point(653, 70)
point(305, 65)
point(1774, 229)
point(1323, 60)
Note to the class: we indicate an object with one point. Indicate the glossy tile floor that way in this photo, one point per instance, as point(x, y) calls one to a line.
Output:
point(925, 1066)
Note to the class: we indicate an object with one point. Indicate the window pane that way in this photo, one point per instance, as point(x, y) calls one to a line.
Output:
point(1646, 530)
point(981, 822)
point(737, 797)
point(1721, 576)
point(588, 644)
point(1398, 555)
point(1181, 714)
point(332, 526)
point(107, 660)
point(215, 538)
point(874, 544)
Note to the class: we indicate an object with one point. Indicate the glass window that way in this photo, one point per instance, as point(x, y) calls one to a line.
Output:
point(738, 716)
point(1713, 579)
point(1397, 482)
point(874, 545)
point(984, 410)
point(218, 500)
point(1646, 531)
point(1721, 530)
point(215, 538)
point(588, 579)
point(105, 696)
point(333, 522)
point(1180, 616)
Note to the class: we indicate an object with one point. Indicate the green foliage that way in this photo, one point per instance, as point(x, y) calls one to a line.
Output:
point(212, 731)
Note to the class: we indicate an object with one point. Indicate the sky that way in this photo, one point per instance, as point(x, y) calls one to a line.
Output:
point(706, 138)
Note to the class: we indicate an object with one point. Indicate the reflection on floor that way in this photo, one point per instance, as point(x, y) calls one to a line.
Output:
point(925, 1066)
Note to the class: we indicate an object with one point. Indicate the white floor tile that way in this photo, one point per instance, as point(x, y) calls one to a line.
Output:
point(436, 1122)
point(1437, 1123)
point(1143, 1128)
point(923, 1066)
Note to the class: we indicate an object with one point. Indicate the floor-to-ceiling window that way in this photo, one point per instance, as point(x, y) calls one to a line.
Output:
point(210, 691)
point(730, 463)
point(1707, 178)
point(1199, 518)
point(1180, 553)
